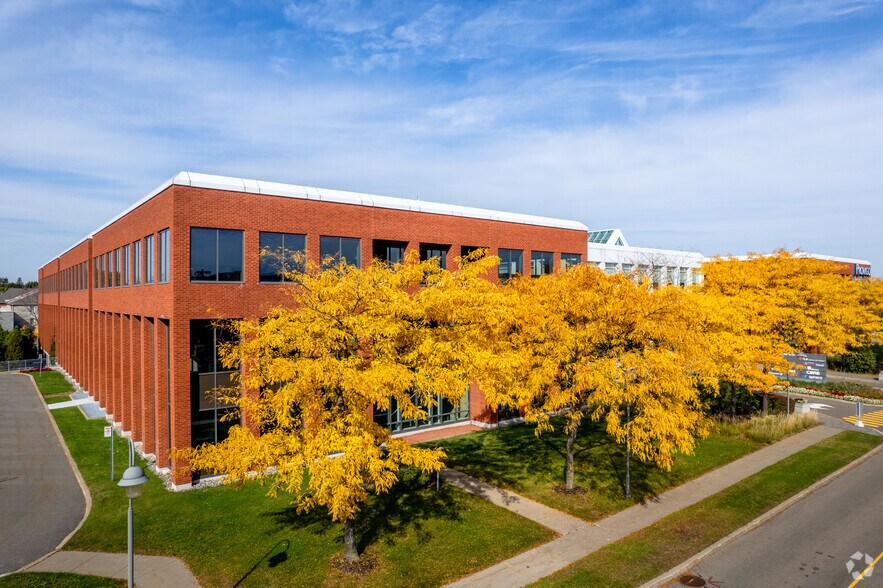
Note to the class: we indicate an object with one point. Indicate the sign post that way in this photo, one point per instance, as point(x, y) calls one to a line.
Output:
point(108, 432)
point(859, 412)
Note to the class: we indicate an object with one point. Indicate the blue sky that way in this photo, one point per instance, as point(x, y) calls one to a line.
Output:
point(722, 127)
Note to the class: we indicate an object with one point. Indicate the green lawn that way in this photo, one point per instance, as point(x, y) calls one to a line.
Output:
point(229, 535)
point(52, 383)
point(514, 458)
point(50, 580)
point(652, 551)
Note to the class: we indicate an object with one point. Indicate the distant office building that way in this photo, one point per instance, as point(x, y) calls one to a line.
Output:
point(130, 307)
point(18, 308)
point(609, 250)
point(856, 269)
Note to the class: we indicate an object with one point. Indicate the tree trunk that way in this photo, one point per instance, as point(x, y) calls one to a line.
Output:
point(568, 467)
point(766, 404)
point(628, 454)
point(349, 540)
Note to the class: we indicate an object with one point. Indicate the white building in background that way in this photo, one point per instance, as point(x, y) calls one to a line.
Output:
point(609, 250)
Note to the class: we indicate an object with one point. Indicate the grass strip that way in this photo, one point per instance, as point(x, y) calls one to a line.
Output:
point(516, 459)
point(642, 556)
point(56, 580)
point(52, 383)
point(239, 536)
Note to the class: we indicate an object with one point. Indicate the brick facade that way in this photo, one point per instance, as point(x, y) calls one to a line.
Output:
point(129, 346)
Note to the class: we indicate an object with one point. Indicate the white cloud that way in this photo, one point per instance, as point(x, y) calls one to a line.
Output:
point(790, 13)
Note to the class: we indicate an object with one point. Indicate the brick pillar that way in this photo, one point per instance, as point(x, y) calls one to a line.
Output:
point(161, 377)
point(179, 356)
point(478, 408)
point(114, 364)
point(148, 380)
point(125, 355)
point(136, 400)
point(103, 370)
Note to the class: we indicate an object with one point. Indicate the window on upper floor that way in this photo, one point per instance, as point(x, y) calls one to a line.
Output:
point(165, 258)
point(136, 263)
point(281, 253)
point(541, 263)
point(432, 251)
point(392, 252)
point(148, 259)
point(511, 263)
point(570, 259)
point(216, 255)
point(333, 250)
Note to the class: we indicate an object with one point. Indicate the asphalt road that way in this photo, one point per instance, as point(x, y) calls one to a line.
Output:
point(40, 499)
point(809, 544)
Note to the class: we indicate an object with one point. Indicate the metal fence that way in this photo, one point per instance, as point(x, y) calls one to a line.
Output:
point(18, 365)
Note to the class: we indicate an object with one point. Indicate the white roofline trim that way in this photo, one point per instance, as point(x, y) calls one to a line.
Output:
point(231, 184)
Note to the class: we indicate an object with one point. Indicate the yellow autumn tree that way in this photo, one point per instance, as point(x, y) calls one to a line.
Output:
point(766, 305)
point(350, 340)
point(583, 344)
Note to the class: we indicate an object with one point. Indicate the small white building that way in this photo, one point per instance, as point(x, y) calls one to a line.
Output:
point(609, 250)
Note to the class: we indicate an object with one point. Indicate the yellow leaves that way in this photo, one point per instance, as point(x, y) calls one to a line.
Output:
point(760, 308)
point(349, 340)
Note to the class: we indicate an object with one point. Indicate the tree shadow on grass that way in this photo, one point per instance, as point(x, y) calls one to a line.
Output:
point(642, 487)
point(411, 504)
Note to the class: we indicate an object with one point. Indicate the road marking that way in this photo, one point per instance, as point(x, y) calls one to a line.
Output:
point(862, 575)
point(872, 419)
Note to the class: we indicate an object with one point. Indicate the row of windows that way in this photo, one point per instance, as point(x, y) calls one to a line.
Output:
point(133, 263)
point(216, 255)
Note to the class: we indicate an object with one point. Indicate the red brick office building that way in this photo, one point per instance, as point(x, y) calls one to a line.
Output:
point(129, 308)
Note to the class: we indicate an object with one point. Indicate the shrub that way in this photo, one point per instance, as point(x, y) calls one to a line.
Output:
point(864, 360)
point(771, 428)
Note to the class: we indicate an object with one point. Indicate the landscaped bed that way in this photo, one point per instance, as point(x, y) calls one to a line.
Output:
point(228, 535)
point(850, 391)
point(654, 550)
point(514, 458)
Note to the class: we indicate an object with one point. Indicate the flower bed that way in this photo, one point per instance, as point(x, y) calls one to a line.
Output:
point(830, 394)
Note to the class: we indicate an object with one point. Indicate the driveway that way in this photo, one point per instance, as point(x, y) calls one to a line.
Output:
point(41, 501)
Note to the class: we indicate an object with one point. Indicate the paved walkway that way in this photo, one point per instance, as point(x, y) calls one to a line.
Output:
point(579, 539)
point(41, 500)
point(150, 571)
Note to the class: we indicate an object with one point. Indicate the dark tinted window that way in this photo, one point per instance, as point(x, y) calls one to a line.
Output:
point(281, 253)
point(511, 263)
point(570, 259)
point(540, 263)
point(430, 251)
point(215, 255)
point(391, 252)
point(337, 248)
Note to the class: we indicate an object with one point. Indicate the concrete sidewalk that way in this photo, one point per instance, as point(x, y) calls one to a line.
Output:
point(150, 571)
point(579, 540)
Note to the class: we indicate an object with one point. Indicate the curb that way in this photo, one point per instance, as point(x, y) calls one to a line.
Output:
point(73, 465)
point(666, 577)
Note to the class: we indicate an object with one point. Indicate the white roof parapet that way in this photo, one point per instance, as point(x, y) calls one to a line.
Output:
point(230, 184)
point(196, 180)
point(797, 254)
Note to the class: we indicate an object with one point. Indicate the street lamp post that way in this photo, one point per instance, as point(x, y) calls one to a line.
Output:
point(132, 480)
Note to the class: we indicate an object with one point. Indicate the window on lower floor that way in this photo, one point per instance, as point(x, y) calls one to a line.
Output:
point(207, 424)
point(333, 250)
point(540, 263)
point(216, 255)
point(281, 253)
point(443, 411)
point(511, 263)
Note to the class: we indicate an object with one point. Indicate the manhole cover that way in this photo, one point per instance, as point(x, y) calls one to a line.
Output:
point(691, 580)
